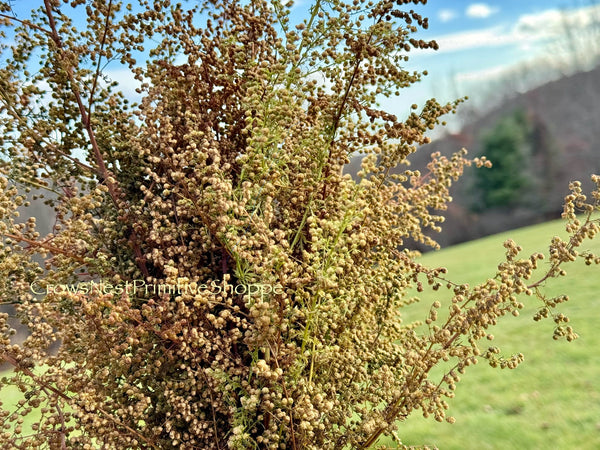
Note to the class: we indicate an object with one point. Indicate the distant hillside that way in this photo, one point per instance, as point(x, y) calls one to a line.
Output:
point(564, 116)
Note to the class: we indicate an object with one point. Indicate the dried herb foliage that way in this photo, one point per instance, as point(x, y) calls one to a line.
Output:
point(227, 178)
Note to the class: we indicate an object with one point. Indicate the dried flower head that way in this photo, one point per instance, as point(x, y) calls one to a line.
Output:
point(213, 278)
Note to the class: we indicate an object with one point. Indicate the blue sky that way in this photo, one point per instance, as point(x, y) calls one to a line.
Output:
point(484, 43)
point(480, 42)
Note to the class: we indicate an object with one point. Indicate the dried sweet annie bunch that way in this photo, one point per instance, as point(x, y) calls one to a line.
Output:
point(230, 168)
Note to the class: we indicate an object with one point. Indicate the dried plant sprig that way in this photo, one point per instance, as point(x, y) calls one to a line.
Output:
point(213, 278)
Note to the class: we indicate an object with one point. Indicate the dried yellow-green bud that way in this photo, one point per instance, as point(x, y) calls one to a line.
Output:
point(212, 277)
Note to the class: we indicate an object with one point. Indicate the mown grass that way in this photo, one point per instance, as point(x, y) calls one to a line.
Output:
point(552, 400)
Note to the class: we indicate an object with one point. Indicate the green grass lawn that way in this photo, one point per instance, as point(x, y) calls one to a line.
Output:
point(552, 400)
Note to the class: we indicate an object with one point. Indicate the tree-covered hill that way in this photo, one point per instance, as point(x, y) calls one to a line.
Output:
point(558, 127)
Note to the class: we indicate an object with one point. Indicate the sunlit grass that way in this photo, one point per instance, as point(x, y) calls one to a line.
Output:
point(552, 400)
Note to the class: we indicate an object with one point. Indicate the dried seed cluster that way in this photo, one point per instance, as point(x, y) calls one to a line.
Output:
point(227, 179)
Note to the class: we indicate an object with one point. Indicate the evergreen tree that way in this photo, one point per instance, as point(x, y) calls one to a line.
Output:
point(507, 146)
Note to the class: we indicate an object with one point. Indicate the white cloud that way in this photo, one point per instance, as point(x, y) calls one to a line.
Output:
point(553, 22)
point(528, 31)
point(480, 10)
point(547, 22)
point(483, 75)
point(446, 15)
point(127, 83)
point(485, 37)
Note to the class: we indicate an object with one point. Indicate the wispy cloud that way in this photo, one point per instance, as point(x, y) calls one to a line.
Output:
point(480, 10)
point(446, 15)
point(527, 31)
point(127, 83)
point(555, 22)
point(483, 75)
point(485, 37)
point(546, 22)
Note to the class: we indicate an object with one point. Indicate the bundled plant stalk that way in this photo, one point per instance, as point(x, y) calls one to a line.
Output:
point(213, 278)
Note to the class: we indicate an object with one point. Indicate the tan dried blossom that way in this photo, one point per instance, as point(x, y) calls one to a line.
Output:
point(213, 279)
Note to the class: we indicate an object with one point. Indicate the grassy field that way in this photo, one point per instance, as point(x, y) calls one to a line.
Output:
point(552, 400)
